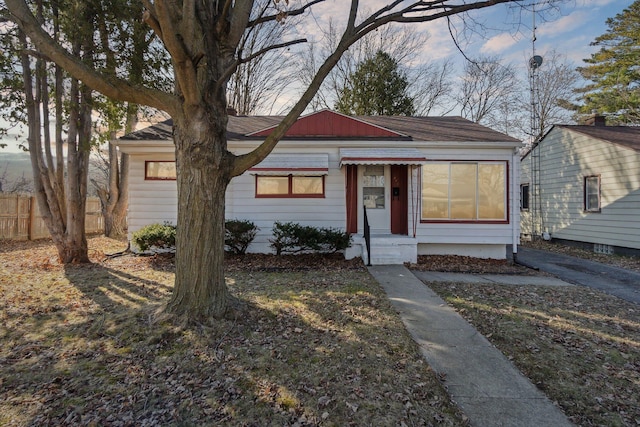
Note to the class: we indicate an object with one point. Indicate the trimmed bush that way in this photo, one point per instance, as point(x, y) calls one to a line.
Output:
point(159, 236)
point(334, 240)
point(292, 237)
point(239, 234)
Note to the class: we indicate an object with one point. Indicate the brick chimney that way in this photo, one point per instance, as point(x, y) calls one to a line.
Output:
point(595, 120)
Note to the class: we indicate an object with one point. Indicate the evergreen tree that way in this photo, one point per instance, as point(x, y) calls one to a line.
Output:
point(376, 88)
point(613, 70)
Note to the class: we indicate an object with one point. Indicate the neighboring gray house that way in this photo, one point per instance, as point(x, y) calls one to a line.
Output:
point(581, 184)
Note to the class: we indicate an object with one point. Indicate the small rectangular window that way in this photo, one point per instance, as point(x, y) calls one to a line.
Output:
point(163, 170)
point(289, 186)
point(524, 197)
point(592, 193)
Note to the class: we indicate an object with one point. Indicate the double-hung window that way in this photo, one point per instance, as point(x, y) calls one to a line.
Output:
point(464, 191)
point(592, 193)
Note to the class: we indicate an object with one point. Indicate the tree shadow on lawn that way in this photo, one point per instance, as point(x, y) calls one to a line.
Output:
point(286, 361)
point(110, 287)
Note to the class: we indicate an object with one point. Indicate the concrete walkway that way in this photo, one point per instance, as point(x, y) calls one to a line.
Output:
point(616, 281)
point(479, 378)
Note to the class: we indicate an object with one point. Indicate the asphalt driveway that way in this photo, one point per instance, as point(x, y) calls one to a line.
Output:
point(616, 281)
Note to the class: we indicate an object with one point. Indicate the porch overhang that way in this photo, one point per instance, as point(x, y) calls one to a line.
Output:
point(293, 164)
point(381, 156)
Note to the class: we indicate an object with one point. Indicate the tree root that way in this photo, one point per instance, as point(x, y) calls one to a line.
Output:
point(236, 309)
point(118, 254)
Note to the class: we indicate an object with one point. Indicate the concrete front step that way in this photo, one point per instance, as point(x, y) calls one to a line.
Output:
point(386, 249)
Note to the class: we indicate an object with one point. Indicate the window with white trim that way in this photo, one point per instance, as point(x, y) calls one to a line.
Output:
point(464, 191)
point(592, 193)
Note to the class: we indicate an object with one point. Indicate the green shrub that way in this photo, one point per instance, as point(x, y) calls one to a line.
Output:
point(238, 235)
point(334, 240)
point(155, 235)
point(291, 237)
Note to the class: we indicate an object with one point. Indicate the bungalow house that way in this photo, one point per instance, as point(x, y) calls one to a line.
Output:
point(428, 185)
point(580, 184)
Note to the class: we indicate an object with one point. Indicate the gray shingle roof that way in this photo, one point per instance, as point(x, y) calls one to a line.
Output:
point(628, 136)
point(445, 129)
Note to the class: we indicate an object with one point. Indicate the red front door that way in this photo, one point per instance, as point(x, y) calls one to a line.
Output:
point(399, 200)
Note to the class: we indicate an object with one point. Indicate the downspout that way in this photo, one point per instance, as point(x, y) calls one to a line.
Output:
point(515, 217)
point(413, 203)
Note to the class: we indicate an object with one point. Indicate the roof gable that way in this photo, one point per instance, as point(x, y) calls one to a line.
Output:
point(330, 124)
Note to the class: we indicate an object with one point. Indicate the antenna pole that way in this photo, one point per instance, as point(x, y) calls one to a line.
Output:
point(535, 205)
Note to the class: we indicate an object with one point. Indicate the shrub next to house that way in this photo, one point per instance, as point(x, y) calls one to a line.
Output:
point(161, 236)
point(239, 234)
point(290, 237)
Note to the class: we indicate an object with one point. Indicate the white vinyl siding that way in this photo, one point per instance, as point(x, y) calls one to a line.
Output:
point(156, 201)
point(150, 201)
point(327, 211)
point(568, 157)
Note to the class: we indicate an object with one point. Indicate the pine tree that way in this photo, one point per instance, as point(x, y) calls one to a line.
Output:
point(614, 71)
point(377, 87)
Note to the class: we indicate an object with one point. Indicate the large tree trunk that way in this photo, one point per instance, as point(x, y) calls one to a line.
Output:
point(204, 171)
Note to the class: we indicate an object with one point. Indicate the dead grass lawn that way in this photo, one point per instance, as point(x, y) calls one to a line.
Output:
point(579, 346)
point(320, 345)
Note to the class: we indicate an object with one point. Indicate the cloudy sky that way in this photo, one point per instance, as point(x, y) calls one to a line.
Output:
point(504, 31)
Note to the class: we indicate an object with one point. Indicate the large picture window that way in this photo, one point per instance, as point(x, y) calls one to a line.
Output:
point(464, 191)
point(289, 186)
point(592, 193)
point(154, 170)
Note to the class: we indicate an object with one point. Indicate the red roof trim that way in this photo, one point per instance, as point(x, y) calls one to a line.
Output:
point(291, 169)
point(327, 123)
point(384, 159)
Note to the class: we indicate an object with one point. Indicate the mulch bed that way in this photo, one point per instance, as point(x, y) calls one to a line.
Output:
point(465, 264)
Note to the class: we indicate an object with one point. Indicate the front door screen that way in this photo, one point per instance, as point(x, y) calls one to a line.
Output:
point(373, 187)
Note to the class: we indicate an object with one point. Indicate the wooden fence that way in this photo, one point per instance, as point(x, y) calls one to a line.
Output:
point(20, 218)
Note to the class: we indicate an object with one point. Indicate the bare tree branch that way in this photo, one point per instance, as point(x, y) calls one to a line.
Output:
point(174, 41)
point(229, 71)
point(294, 12)
point(239, 21)
point(425, 11)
